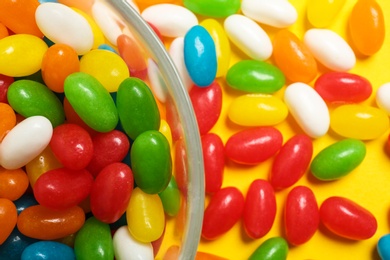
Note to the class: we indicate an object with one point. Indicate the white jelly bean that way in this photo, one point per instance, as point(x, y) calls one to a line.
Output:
point(61, 24)
point(25, 141)
point(308, 109)
point(248, 36)
point(330, 49)
point(276, 13)
point(157, 82)
point(170, 19)
point(176, 51)
point(128, 248)
point(383, 97)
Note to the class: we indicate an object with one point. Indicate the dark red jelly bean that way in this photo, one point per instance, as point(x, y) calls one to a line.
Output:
point(5, 81)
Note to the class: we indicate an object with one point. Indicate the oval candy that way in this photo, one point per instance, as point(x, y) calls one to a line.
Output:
point(274, 248)
point(48, 250)
point(321, 13)
point(125, 246)
point(382, 97)
point(176, 52)
point(213, 8)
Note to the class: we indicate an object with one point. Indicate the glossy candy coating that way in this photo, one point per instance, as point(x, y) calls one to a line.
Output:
point(170, 198)
point(176, 52)
point(8, 218)
point(3, 31)
point(321, 13)
point(338, 159)
point(132, 55)
point(25, 201)
point(274, 248)
point(383, 247)
point(382, 97)
point(13, 183)
point(48, 250)
point(352, 222)
point(5, 82)
point(13, 247)
point(7, 120)
point(213, 8)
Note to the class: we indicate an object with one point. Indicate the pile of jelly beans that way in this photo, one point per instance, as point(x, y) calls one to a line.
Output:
point(86, 134)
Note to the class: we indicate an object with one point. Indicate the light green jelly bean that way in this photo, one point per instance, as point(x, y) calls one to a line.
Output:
point(274, 248)
point(31, 98)
point(151, 161)
point(338, 159)
point(213, 8)
point(255, 76)
point(137, 108)
point(91, 101)
point(94, 241)
point(170, 198)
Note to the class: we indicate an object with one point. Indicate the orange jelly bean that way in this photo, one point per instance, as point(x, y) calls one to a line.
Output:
point(3, 31)
point(8, 218)
point(84, 5)
point(367, 26)
point(43, 223)
point(132, 54)
point(293, 57)
point(7, 119)
point(13, 183)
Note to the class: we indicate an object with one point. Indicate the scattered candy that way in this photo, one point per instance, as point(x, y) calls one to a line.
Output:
point(270, 249)
point(382, 97)
point(321, 13)
point(48, 250)
point(213, 8)
point(383, 247)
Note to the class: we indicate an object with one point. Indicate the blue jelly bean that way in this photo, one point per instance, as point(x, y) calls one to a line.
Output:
point(107, 48)
point(48, 250)
point(13, 247)
point(383, 247)
point(25, 201)
point(200, 56)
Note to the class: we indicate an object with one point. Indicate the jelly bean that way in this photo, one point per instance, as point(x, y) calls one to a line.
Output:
point(94, 241)
point(330, 49)
point(343, 87)
point(260, 209)
point(359, 121)
point(75, 29)
point(338, 159)
point(255, 76)
point(214, 161)
point(92, 102)
point(213, 8)
point(157, 82)
point(21, 55)
point(176, 52)
point(108, 148)
point(367, 26)
point(8, 119)
point(254, 145)
point(27, 200)
point(170, 198)
point(110, 193)
point(42, 163)
point(145, 216)
point(127, 247)
point(224, 210)
point(48, 250)
point(291, 162)
point(5, 82)
point(207, 104)
point(352, 221)
point(46, 224)
point(170, 19)
point(20, 20)
point(82, 5)
point(257, 110)
point(181, 166)
point(8, 217)
point(73, 118)
point(277, 13)
point(156, 244)
point(301, 215)
point(383, 247)
point(321, 13)
point(25, 141)
point(133, 56)
point(151, 161)
point(62, 188)
point(248, 36)
point(3, 31)
point(274, 248)
point(293, 57)
point(13, 183)
point(137, 108)
point(222, 45)
point(13, 247)
point(59, 61)
point(107, 67)
point(382, 97)
point(308, 109)
point(166, 131)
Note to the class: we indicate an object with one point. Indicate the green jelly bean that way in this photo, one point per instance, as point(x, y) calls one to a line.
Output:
point(91, 101)
point(94, 241)
point(137, 108)
point(170, 198)
point(274, 248)
point(213, 8)
point(255, 76)
point(151, 161)
point(30, 98)
point(338, 159)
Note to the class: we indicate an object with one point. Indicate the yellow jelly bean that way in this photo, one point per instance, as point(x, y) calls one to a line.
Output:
point(321, 13)
point(257, 110)
point(21, 55)
point(106, 66)
point(98, 37)
point(222, 45)
point(165, 129)
point(145, 216)
point(359, 121)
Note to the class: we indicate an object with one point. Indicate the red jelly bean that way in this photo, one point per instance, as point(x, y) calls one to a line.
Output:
point(254, 145)
point(214, 161)
point(347, 219)
point(260, 209)
point(207, 103)
point(8, 218)
point(222, 213)
point(62, 188)
point(343, 87)
point(301, 215)
point(110, 193)
point(5, 81)
point(181, 166)
point(74, 118)
point(291, 162)
point(72, 146)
